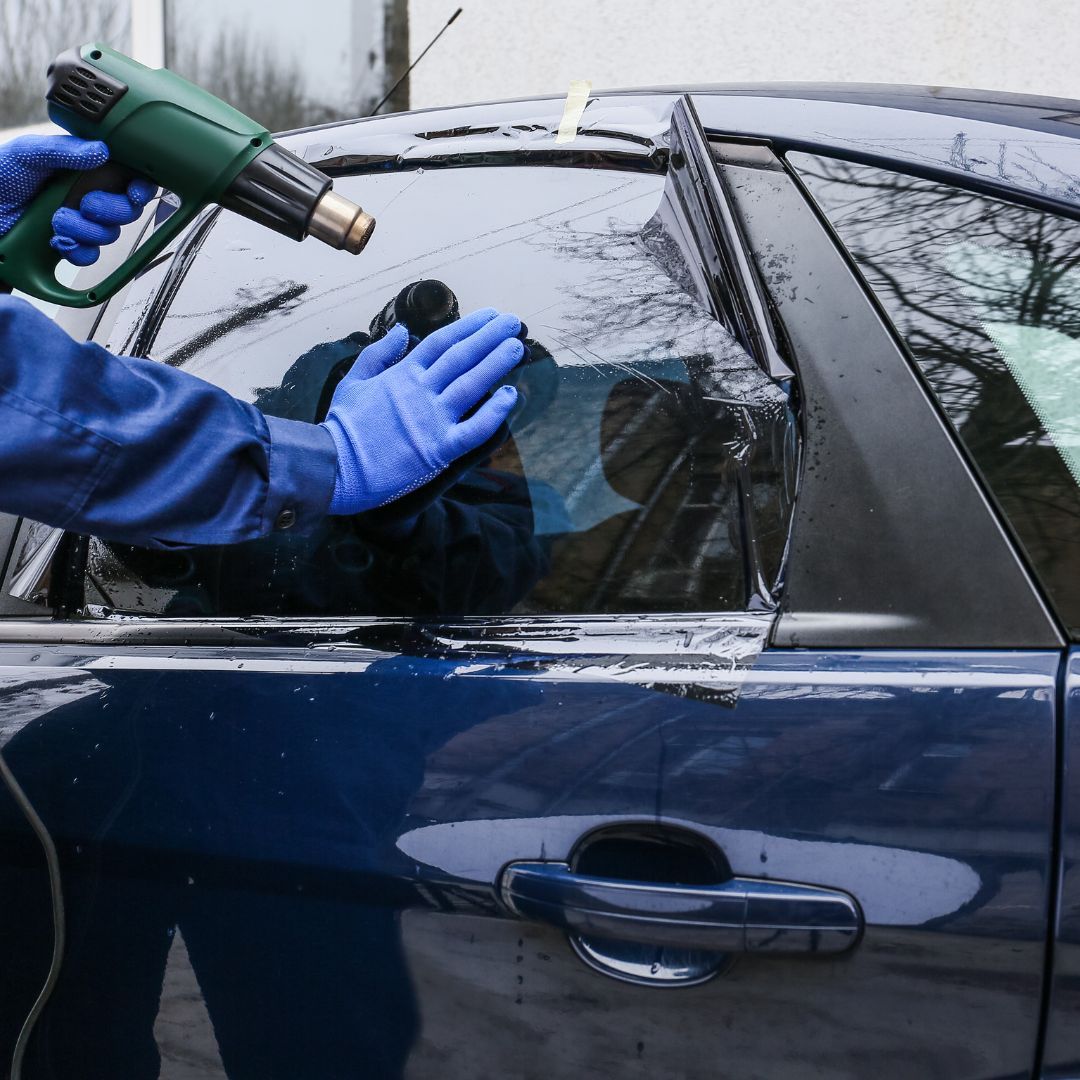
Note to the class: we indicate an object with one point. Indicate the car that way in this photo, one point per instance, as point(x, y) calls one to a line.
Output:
point(716, 720)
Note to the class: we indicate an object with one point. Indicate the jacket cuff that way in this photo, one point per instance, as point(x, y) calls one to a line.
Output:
point(303, 464)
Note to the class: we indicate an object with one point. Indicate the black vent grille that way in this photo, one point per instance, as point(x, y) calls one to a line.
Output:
point(82, 89)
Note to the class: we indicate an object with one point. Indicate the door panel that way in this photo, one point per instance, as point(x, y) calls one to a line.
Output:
point(326, 829)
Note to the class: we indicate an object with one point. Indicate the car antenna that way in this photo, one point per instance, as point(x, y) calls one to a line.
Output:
point(405, 75)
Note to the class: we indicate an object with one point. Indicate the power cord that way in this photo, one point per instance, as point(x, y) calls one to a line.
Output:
point(52, 861)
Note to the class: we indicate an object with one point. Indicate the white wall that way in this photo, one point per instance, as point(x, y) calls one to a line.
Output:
point(513, 48)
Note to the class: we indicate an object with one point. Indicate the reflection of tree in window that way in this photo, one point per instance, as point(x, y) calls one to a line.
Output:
point(918, 244)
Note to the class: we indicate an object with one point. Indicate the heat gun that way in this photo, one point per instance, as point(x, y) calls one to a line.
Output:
point(160, 126)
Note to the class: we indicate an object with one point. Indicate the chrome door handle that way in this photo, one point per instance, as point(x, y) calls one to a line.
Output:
point(740, 915)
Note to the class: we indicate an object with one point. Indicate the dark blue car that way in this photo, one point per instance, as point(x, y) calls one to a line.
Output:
point(718, 719)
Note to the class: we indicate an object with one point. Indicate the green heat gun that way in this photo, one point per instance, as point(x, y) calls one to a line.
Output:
point(160, 126)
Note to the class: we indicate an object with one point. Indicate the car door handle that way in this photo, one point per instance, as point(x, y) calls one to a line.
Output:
point(740, 915)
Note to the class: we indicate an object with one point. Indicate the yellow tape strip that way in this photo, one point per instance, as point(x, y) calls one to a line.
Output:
point(576, 100)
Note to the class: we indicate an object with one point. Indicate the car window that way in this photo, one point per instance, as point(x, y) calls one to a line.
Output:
point(649, 466)
point(986, 295)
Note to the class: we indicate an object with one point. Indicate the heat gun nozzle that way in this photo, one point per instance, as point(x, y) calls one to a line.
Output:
point(340, 223)
point(283, 192)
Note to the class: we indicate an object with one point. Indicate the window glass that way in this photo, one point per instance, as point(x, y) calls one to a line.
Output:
point(987, 297)
point(648, 468)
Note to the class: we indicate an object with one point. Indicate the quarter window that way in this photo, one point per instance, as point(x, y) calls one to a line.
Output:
point(986, 295)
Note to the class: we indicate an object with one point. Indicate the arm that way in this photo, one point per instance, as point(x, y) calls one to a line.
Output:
point(128, 449)
point(142, 453)
point(139, 452)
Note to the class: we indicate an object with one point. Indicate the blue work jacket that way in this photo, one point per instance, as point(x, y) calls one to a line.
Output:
point(139, 452)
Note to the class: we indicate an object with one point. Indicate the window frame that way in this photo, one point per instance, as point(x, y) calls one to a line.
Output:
point(757, 336)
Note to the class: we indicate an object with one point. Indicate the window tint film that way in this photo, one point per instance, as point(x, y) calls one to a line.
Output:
point(648, 467)
point(987, 297)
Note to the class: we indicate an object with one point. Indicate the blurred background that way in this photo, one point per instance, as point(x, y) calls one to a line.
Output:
point(290, 63)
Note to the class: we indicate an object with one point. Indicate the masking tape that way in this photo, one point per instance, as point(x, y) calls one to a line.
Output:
point(576, 100)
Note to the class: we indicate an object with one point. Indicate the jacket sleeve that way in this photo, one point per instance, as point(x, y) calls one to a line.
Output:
point(138, 452)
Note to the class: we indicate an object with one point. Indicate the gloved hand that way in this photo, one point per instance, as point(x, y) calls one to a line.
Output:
point(397, 422)
point(25, 165)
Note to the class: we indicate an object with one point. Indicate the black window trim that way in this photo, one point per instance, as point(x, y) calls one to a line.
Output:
point(738, 296)
point(686, 637)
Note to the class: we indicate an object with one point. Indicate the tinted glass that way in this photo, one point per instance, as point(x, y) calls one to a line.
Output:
point(987, 296)
point(648, 469)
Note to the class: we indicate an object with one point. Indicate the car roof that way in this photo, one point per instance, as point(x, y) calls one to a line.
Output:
point(1028, 112)
point(1013, 146)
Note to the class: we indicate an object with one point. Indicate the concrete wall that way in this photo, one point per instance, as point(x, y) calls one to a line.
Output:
point(513, 48)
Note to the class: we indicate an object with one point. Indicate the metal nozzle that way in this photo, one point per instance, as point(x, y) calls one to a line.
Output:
point(340, 223)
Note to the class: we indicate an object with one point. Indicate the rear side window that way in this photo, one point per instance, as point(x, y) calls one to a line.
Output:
point(986, 294)
point(649, 467)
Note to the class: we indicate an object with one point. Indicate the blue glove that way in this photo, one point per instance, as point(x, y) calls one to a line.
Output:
point(397, 422)
point(27, 163)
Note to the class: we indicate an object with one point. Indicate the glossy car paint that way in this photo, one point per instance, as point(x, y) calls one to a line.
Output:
point(326, 827)
point(324, 813)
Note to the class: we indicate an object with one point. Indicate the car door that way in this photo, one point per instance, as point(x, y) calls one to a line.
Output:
point(680, 736)
point(986, 294)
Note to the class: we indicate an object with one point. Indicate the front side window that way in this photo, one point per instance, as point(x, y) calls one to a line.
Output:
point(649, 466)
point(986, 295)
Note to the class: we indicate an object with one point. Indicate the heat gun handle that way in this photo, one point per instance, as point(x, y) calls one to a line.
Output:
point(28, 264)
point(112, 177)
